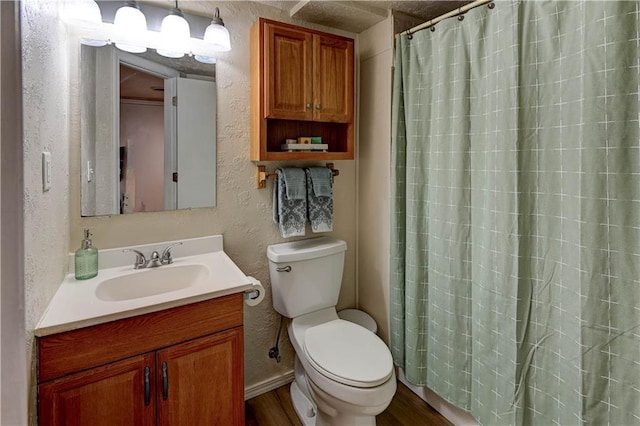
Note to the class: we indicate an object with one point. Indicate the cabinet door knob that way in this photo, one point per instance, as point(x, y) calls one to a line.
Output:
point(309, 105)
point(319, 106)
point(147, 386)
point(165, 381)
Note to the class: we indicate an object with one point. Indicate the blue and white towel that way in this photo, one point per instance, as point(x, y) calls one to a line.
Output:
point(290, 202)
point(320, 198)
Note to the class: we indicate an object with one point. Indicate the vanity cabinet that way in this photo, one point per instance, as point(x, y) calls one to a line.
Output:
point(109, 395)
point(183, 365)
point(199, 378)
point(302, 84)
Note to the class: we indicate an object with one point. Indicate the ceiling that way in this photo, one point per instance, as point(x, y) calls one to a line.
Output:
point(139, 85)
point(356, 16)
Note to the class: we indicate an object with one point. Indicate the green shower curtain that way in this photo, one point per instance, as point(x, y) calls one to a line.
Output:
point(515, 247)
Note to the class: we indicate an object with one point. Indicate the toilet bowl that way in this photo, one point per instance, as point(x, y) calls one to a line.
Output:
point(349, 370)
point(344, 372)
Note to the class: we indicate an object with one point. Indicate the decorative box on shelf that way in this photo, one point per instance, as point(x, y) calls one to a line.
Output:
point(304, 147)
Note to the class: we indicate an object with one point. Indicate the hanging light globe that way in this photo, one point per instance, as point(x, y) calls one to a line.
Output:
point(217, 35)
point(85, 12)
point(131, 22)
point(175, 33)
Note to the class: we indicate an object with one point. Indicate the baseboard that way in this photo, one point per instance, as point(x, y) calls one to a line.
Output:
point(455, 415)
point(268, 385)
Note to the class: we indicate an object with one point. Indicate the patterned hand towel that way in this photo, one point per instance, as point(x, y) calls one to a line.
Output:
point(289, 202)
point(320, 199)
point(321, 179)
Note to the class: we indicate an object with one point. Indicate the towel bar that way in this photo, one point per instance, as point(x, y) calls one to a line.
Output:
point(263, 175)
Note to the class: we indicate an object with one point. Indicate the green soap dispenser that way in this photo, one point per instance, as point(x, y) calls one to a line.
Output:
point(86, 259)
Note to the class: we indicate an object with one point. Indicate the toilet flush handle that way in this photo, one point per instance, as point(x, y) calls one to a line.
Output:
point(284, 269)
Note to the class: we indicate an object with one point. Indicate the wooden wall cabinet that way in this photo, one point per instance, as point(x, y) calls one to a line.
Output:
point(184, 365)
point(302, 84)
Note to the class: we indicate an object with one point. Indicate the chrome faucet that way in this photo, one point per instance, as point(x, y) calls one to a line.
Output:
point(155, 260)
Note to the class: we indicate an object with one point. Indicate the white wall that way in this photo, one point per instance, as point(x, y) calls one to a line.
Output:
point(105, 142)
point(142, 132)
point(46, 86)
point(376, 61)
point(13, 366)
point(88, 129)
point(374, 166)
point(243, 214)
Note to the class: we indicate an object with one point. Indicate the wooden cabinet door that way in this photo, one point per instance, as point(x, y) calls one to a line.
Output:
point(202, 382)
point(121, 393)
point(333, 80)
point(288, 74)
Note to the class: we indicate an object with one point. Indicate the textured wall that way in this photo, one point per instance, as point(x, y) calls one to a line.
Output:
point(46, 128)
point(243, 214)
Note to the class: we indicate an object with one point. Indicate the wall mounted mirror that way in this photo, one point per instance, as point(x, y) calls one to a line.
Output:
point(148, 132)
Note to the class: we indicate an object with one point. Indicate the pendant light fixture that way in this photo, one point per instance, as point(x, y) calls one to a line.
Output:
point(175, 32)
point(129, 30)
point(130, 20)
point(85, 12)
point(217, 36)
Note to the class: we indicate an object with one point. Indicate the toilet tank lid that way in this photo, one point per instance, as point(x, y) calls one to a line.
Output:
point(305, 249)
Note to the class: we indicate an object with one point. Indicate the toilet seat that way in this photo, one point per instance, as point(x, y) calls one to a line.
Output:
point(348, 353)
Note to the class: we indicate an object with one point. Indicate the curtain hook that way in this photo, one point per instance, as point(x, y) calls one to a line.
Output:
point(433, 28)
point(410, 36)
point(491, 5)
point(460, 18)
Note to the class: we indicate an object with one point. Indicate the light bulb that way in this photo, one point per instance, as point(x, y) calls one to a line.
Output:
point(85, 12)
point(131, 22)
point(175, 33)
point(82, 11)
point(205, 59)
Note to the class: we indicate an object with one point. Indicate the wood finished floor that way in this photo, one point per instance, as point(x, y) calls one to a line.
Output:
point(274, 409)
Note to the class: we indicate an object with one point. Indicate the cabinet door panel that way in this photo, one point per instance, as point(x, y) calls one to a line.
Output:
point(333, 82)
point(110, 395)
point(205, 381)
point(288, 73)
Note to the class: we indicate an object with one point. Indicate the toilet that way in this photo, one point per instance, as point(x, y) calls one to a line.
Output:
point(344, 373)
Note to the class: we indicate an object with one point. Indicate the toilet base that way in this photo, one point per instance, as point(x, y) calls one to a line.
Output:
point(334, 412)
point(305, 409)
point(309, 415)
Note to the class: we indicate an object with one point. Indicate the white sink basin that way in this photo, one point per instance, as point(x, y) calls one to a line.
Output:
point(201, 270)
point(151, 282)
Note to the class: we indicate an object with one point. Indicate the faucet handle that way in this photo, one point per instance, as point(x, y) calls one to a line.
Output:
point(141, 261)
point(167, 259)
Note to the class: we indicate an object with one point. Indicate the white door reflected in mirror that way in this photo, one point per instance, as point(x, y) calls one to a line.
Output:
point(148, 132)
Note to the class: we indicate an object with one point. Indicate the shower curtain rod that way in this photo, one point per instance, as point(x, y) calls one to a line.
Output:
point(454, 12)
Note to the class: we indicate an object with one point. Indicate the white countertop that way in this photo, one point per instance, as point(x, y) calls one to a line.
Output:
point(75, 304)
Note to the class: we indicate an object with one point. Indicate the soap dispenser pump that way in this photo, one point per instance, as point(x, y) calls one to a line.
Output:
point(86, 259)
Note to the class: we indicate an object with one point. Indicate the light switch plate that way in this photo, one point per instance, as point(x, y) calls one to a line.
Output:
point(46, 171)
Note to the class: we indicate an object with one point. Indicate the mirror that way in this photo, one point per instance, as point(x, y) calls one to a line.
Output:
point(148, 132)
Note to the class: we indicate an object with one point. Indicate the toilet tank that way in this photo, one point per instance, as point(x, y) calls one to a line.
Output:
point(306, 275)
